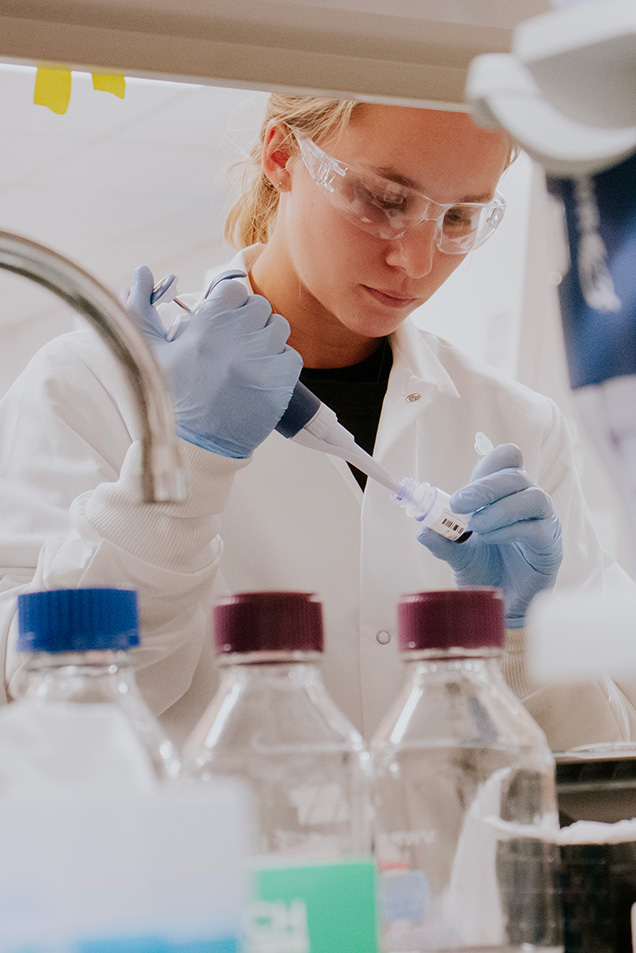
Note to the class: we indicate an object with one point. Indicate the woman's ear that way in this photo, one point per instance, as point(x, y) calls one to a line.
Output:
point(276, 155)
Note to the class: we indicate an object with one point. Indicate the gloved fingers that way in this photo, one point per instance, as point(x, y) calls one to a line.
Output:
point(231, 293)
point(252, 315)
point(141, 287)
point(179, 326)
point(457, 555)
point(505, 456)
point(279, 369)
point(486, 490)
point(254, 344)
point(532, 503)
point(250, 341)
point(535, 537)
point(140, 305)
point(275, 333)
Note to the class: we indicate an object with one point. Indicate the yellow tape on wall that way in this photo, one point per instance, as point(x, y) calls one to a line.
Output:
point(110, 84)
point(53, 87)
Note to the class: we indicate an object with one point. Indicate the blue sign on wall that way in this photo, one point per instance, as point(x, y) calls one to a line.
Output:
point(598, 294)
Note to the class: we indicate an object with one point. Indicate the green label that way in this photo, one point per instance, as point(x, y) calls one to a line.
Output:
point(314, 908)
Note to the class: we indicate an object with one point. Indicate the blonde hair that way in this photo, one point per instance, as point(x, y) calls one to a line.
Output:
point(252, 217)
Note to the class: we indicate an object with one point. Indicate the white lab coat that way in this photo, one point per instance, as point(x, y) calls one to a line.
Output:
point(289, 518)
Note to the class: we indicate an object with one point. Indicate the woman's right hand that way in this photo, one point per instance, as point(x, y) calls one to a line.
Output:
point(231, 371)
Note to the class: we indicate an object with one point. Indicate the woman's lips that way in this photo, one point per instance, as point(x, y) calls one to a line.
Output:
point(389, 298)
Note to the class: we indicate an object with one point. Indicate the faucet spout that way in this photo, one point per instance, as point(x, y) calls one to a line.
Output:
point(162, 475)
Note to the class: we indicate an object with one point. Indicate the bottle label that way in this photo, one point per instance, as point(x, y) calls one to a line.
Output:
point(449, 524)
point(404, 895)
point(313, 908)
point(155, 944)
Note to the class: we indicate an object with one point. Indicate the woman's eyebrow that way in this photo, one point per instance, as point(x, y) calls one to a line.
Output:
point(389, 173)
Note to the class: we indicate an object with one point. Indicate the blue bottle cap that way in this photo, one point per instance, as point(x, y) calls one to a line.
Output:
point(78, 620)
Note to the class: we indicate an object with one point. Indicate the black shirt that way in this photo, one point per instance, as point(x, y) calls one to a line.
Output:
point(355, 394)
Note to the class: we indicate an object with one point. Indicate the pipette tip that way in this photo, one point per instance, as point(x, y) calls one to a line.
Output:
point(404, 490)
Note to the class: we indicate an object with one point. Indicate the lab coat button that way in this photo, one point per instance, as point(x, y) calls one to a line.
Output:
point(383, 637)
point(413, 397)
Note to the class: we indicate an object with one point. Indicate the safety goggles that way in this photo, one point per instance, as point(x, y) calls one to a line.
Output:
point(389, 210)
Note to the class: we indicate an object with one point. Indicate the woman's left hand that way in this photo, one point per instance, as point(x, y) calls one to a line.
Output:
point(516, 535)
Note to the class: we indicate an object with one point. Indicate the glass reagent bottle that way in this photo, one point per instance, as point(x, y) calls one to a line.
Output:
point(466, 822)
point(273, 725)
point(79, 723)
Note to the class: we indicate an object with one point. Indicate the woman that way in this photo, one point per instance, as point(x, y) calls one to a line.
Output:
point(355, 215)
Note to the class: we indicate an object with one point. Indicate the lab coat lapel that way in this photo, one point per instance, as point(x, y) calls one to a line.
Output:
point(417, 377)
point(392, 561)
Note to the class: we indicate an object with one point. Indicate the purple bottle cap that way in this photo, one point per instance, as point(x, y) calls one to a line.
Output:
point(281, 622)
point(451, 619)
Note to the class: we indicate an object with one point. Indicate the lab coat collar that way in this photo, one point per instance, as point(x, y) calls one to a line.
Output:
point(414, 350)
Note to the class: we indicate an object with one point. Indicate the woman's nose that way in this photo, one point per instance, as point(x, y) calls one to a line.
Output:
point(414, 251)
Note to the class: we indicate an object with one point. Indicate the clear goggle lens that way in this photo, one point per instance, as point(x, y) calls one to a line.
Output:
point(389, 210)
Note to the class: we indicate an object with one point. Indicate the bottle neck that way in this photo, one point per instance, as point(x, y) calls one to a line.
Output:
point(281, 704)
point(278, 698)
point(276, 663)
point(93, 676)
point(454, 663)
point(263, 684)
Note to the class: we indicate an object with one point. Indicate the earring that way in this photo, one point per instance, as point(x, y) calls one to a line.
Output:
point(281, 186)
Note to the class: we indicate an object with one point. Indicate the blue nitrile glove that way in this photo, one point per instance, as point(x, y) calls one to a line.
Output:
point(516, 535)
point(230, 370)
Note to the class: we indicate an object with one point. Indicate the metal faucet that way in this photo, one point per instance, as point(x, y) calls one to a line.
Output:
point(162, 474)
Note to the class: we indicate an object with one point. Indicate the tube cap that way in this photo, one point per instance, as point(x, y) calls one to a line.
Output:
point(249, 622)
point(78, 620)
point(451, 619)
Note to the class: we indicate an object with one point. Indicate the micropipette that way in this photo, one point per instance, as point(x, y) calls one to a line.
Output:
point(312, 424)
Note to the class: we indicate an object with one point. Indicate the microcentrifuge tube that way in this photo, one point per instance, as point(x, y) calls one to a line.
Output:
point(483, 444)
point(431, 506)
